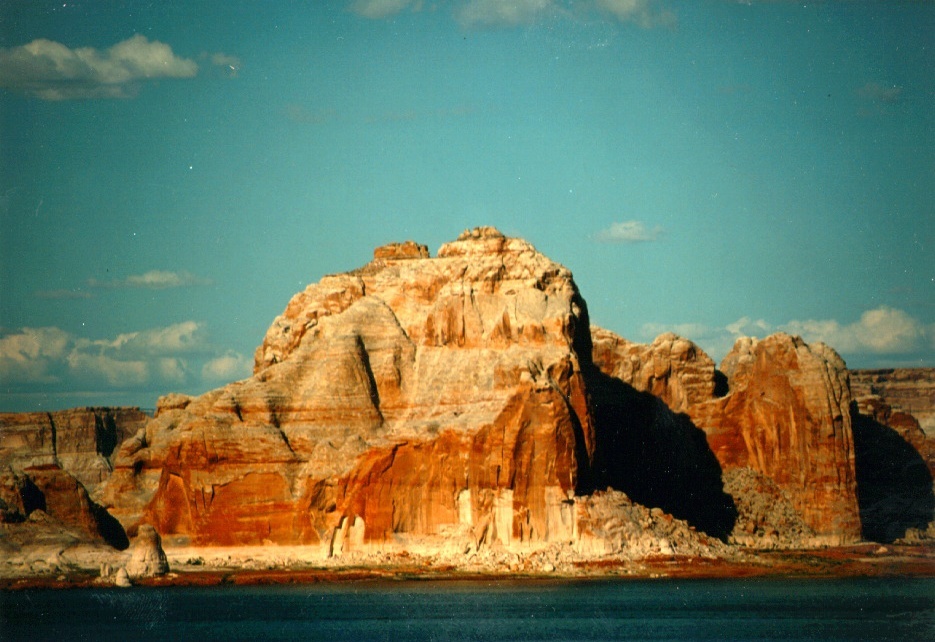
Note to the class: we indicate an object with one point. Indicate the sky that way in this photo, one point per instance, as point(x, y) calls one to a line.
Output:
point(171, 173)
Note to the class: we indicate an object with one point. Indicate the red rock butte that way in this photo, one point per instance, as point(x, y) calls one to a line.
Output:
point(459, 402)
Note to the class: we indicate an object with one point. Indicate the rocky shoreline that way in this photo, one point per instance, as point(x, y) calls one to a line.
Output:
point(219, 566)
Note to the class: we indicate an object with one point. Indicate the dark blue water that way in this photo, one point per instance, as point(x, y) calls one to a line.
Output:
point(817, 609)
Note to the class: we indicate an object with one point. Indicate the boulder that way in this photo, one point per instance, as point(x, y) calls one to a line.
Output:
point(147, 559)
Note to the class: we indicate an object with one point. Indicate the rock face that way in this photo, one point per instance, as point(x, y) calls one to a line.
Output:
point(57, 461)
point(464, 399)
point(777, 407)
point(52, 490)
point(80, 441)
point(895, 463)
point(413, 397)
point(147, 559)
point(671, 368)
point(905, 390)
point(786, 415)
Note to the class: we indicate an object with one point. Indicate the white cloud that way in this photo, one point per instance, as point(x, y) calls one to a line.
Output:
point(114, 371)
point(641, 12)
point(880, 331)
point(157, 357)
point(51, 71)
point(228, 367)
point(628, 232)
point(153, 280)
point(29, 355)
point(179, 338)
point(496, 13)
point(375, 9)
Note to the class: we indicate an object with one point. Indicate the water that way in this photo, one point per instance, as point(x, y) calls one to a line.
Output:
point(816, 609)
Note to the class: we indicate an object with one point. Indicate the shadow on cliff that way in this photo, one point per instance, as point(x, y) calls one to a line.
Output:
point(657, 457)
point(894, 485)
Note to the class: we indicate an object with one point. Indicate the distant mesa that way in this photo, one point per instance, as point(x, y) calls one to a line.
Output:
point(464, 402)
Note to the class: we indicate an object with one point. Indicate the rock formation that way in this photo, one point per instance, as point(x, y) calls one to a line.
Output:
point(905, 390)
point(777, 407)
point(147, 559)
point(465, 398)
point(895, 459)
point(80, 441)
point(56, 462)
point(412, 397)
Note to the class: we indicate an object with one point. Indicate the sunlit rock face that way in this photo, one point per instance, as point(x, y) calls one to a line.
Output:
point(777, 407)
point(413, 397)
point(786, 415)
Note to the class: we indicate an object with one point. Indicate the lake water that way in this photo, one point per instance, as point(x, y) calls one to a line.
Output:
point(771, 609)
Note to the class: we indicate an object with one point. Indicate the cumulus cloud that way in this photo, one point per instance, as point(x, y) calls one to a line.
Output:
point(153, 280)
point(641, 12)
point(628, 232)
point(52, 71)
point(29, 356)
point(230, 65)
point(496, 13)
point(228, 367)
point(164, 358)
point(883, 330)
point(375, 9)
point(880, 331)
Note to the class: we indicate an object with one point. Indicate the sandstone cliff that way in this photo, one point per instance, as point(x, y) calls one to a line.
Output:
point(464, 399)
point(895, 458)
point(413, 397)
point(777, 407)
point(81, 441)
point(905, 390)
point(55, 462)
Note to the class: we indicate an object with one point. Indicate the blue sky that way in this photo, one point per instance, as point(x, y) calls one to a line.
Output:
point(171, 173)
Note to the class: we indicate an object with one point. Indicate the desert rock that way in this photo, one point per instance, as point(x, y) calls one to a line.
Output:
point(412, 396)
point(80, 441)
point(147, 558)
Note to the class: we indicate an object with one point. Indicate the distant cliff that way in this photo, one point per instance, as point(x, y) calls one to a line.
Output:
point(57, 461)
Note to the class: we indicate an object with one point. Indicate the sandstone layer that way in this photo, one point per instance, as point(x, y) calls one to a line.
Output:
point(55, 463)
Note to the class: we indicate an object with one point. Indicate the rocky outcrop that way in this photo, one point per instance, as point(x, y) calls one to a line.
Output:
point(147, 559)
point(80, 441)
point(895, 464)
point(465, 398)
point(909, 391)
point(413, 397)
point(777, 407)
point(786, 415)
point(54, 491)
point(671, 368)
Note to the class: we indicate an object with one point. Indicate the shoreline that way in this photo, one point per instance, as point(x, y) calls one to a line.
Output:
point(862, 560)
